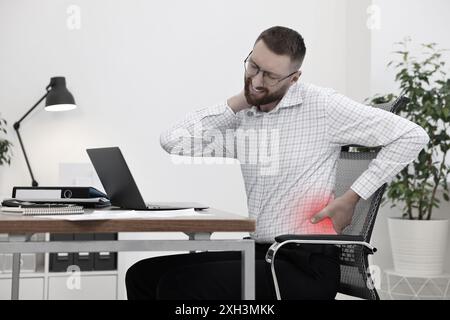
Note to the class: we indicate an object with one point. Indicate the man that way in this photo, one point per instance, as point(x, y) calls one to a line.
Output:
point(308, 126)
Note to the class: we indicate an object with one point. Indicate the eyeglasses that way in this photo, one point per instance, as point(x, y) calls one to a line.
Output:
point(269, 79)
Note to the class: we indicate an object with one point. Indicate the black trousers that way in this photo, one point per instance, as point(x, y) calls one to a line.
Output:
point(303, 272)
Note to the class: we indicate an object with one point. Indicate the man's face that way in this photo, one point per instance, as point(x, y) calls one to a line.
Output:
point(265, 89)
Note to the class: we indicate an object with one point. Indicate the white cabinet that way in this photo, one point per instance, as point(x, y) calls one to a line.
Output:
point(38, 283)
point(96, 285)
point(29, 288)
point(86, 287)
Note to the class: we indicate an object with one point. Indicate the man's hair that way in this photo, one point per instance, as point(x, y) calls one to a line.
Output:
point(284, 41)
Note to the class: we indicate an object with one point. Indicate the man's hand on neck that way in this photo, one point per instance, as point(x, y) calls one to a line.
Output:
point(238, 102)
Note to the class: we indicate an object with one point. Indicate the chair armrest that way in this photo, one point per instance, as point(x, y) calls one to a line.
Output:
point(327, 237)
point(342, 239)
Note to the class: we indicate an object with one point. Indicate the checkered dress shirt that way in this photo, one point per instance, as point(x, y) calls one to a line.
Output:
point(289, 155)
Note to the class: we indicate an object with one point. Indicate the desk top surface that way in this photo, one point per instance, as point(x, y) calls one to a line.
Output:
point(215, 221)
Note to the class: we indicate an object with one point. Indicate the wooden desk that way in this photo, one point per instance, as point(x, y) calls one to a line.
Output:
point(198, 228)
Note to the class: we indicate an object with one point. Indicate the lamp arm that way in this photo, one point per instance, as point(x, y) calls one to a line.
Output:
point(33, 181)
point(17, 124)
point(16, 127)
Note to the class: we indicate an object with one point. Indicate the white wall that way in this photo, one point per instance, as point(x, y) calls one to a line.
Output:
point(134, 68)
point(424, 22)
point(358, 50)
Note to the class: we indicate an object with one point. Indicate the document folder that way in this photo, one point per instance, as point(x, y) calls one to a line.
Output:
point(85, 196)
point(56, 193)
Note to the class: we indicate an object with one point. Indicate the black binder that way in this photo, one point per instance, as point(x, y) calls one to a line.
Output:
point(64, 192)
point(86, 196)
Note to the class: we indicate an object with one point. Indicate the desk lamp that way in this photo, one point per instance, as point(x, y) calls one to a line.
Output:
point(58, 99)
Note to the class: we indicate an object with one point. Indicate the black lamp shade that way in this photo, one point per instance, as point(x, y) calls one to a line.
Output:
point(59, 98)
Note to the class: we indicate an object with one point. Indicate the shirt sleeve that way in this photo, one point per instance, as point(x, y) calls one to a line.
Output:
point(206, 132)
point(401, 140)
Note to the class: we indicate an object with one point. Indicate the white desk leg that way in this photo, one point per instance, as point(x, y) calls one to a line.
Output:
point(248, 271)
point(15, 276)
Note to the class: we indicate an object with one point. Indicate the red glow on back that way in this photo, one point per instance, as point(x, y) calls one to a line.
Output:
point(309, 207)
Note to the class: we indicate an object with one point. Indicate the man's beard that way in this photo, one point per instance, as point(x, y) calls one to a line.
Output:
point(264, 98)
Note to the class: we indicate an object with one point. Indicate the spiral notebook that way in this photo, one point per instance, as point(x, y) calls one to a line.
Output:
point(32, 209)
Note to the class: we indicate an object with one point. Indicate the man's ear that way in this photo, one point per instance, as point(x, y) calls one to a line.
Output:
point(296, 77)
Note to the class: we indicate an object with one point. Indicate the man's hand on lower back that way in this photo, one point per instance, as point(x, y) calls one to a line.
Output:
point(340, 210)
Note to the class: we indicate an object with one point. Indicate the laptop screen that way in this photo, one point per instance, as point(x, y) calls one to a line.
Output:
point(116, 178)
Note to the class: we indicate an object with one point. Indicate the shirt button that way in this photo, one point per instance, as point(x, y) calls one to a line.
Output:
point(249, 113)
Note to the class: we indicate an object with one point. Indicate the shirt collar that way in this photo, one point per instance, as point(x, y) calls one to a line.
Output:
point(293, 97)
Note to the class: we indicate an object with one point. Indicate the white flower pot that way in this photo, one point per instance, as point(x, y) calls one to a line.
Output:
point(418, 246)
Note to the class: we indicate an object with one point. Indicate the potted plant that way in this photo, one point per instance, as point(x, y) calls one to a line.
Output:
point(419, 242)
point(5, 145)
point(5, 149)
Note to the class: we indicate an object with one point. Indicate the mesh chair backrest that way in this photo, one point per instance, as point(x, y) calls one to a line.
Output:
point(350, 166)
point(393, 106)
point(354, 263)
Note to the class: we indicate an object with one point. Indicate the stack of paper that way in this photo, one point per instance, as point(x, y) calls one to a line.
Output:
point(127, 214)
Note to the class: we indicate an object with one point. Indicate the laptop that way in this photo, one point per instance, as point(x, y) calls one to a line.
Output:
point(120, 186)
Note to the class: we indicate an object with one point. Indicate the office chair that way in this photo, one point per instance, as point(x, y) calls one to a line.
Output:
point(354, 242)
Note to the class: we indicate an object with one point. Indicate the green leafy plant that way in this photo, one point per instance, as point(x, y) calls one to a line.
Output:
point(425, 82)
point(5, 145)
